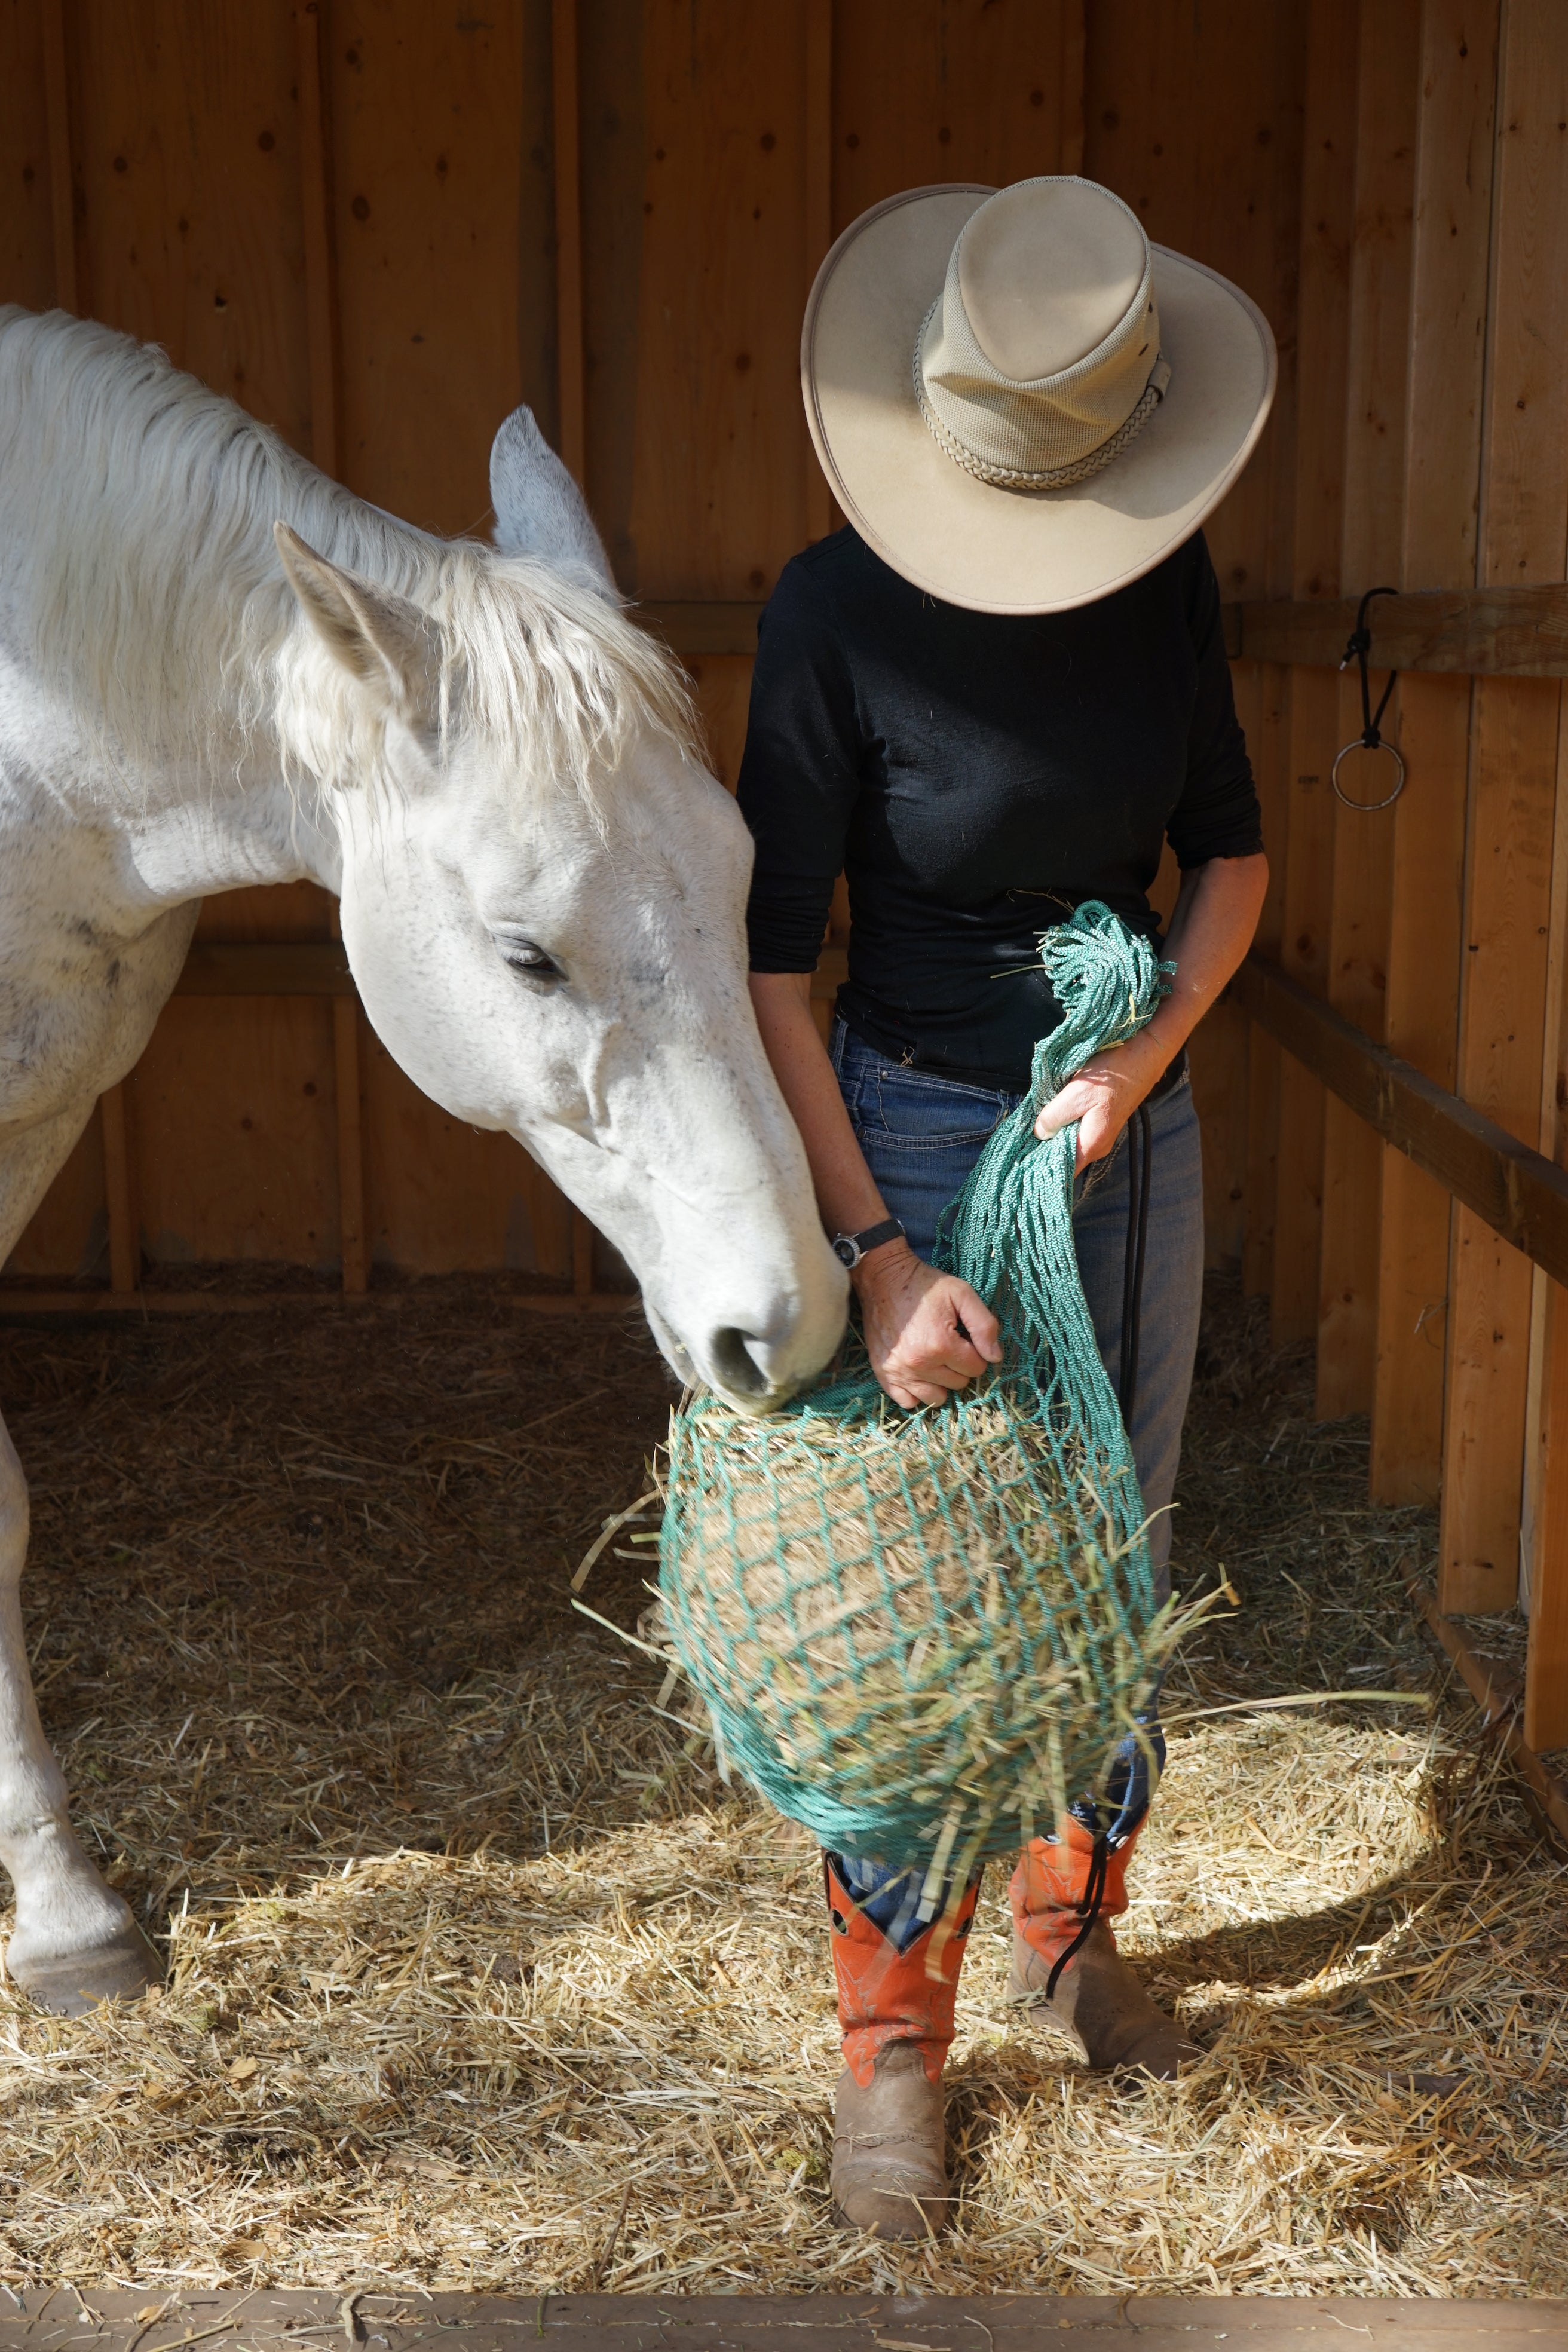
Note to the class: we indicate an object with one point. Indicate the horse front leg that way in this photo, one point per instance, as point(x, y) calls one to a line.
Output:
point(75, 1941)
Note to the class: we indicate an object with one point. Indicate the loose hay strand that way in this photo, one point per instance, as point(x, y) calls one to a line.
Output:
point(467, 1960)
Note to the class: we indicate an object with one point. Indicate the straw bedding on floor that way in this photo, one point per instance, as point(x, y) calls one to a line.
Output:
point(478, 1983)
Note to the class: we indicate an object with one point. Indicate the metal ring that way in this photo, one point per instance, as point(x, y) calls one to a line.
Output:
point(1367, 808)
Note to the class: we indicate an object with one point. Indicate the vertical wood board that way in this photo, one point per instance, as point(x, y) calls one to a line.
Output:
point(986, 91)
point(440, 132)
point(27, 273)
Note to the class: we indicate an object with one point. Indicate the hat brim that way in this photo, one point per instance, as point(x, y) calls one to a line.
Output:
point(968, 541)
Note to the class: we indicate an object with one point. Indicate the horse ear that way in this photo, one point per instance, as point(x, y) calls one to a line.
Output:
point(380, 638)
point(539, 511)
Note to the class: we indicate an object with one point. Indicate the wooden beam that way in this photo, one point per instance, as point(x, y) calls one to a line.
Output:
point(1504, 1029)
point(20, 1299)
point(572, 397)
point(62, 165)
point(266, 967)
point(1449, 264)
point(351, 1144)
point(1327, 222)
point(1312, 706)
point(1362, 892)
point(1270, 750)
point(214, 965)
point(1474, 632)
point(1495, 1691)
point(713, 625)
point(1517, 1193)
point(114, 1118)
point(819, 217)
point(119, 1190)
point(572, 392)
point(316, 214)
point(320, 968)
point(1546, 1558)
point(1469, 633)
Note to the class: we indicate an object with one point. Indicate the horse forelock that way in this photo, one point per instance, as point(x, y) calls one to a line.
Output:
point(136, 513)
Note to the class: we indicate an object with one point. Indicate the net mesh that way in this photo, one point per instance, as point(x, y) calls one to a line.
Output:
point(923, 1633)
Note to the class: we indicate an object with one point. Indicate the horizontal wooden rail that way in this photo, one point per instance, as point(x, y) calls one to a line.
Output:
point(266, 967)
point(1474, 632)
point(320, 968)
point(1516, 1192)
point(22, 1298)
point(716, 625)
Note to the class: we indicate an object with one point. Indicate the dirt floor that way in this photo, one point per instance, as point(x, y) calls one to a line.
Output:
point(477, 1982)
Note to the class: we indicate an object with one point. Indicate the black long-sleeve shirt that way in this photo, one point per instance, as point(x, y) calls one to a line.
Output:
point(977, 775)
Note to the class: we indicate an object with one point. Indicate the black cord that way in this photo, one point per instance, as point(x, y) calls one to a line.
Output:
point(1140, 1155)
point(1140, 1148)
point(1088, 1909)
point(1357, 650)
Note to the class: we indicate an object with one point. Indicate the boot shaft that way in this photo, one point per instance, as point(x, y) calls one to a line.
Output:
point(896, 1976)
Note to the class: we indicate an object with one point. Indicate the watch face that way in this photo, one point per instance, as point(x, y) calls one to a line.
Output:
point(845, 1250)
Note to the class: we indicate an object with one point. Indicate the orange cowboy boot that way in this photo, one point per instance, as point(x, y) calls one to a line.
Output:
point(1065, 1893)
point(898, 1979)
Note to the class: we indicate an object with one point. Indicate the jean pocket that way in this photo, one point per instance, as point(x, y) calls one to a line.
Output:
point(910, 1110)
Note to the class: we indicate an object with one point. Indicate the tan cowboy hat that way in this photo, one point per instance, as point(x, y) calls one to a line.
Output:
point(1021, 404)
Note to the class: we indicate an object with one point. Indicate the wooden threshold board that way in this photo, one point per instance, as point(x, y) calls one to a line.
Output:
point(1499, 1692)
point(65, 2319)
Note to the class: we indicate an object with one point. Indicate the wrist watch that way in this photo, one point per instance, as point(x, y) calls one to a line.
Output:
point(850, 1248)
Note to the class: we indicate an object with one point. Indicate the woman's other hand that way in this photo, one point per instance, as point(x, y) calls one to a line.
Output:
point(1103, 1097)
point(927, 1333)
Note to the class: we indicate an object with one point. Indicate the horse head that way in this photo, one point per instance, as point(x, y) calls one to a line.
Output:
point(543, 897)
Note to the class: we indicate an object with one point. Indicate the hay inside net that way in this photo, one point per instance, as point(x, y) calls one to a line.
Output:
point(923, 1634)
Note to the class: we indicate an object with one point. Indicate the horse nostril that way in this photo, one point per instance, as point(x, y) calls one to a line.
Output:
point(735, 1364)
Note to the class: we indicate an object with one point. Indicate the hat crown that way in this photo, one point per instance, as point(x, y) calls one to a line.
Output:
point(1046, 270)
point(1040, 357)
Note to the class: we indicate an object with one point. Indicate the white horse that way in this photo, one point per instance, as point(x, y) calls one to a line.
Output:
point(219, 669)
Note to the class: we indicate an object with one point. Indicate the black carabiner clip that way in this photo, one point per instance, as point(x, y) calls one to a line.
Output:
point(1370, 738)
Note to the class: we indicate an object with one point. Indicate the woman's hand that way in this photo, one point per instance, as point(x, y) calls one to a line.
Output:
point(1211, 929)
point(927, 1333)
point(1104, 1095)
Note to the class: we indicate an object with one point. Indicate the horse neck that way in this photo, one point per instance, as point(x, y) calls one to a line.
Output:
point(260, 830)
point(200, 788)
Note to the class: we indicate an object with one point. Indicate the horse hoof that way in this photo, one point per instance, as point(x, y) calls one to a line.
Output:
point(69, 1984)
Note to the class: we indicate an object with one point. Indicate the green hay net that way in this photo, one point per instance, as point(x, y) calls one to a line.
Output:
point(923, 1633)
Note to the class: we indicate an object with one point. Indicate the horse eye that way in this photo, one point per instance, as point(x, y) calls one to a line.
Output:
point(527, 957)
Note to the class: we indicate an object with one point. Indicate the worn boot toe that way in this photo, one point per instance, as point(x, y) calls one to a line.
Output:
point(1099, 2000)
point(890, 2169)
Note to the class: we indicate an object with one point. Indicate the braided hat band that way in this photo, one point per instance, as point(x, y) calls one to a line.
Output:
point(1053, 478)
point(1070, 261)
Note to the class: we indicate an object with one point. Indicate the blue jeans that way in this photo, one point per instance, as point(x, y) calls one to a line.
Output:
point(922, 1135)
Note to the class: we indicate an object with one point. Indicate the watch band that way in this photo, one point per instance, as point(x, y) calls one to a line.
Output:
point(850, 1248)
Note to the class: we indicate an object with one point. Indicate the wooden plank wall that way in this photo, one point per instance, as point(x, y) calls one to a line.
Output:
point(1434, 329)
point(380, 226)
point(1200, 131)
point(347, 215)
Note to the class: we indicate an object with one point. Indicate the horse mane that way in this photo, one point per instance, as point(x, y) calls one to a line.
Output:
point(137, 508)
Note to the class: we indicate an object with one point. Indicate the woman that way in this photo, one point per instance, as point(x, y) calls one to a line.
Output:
point(996, 694)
